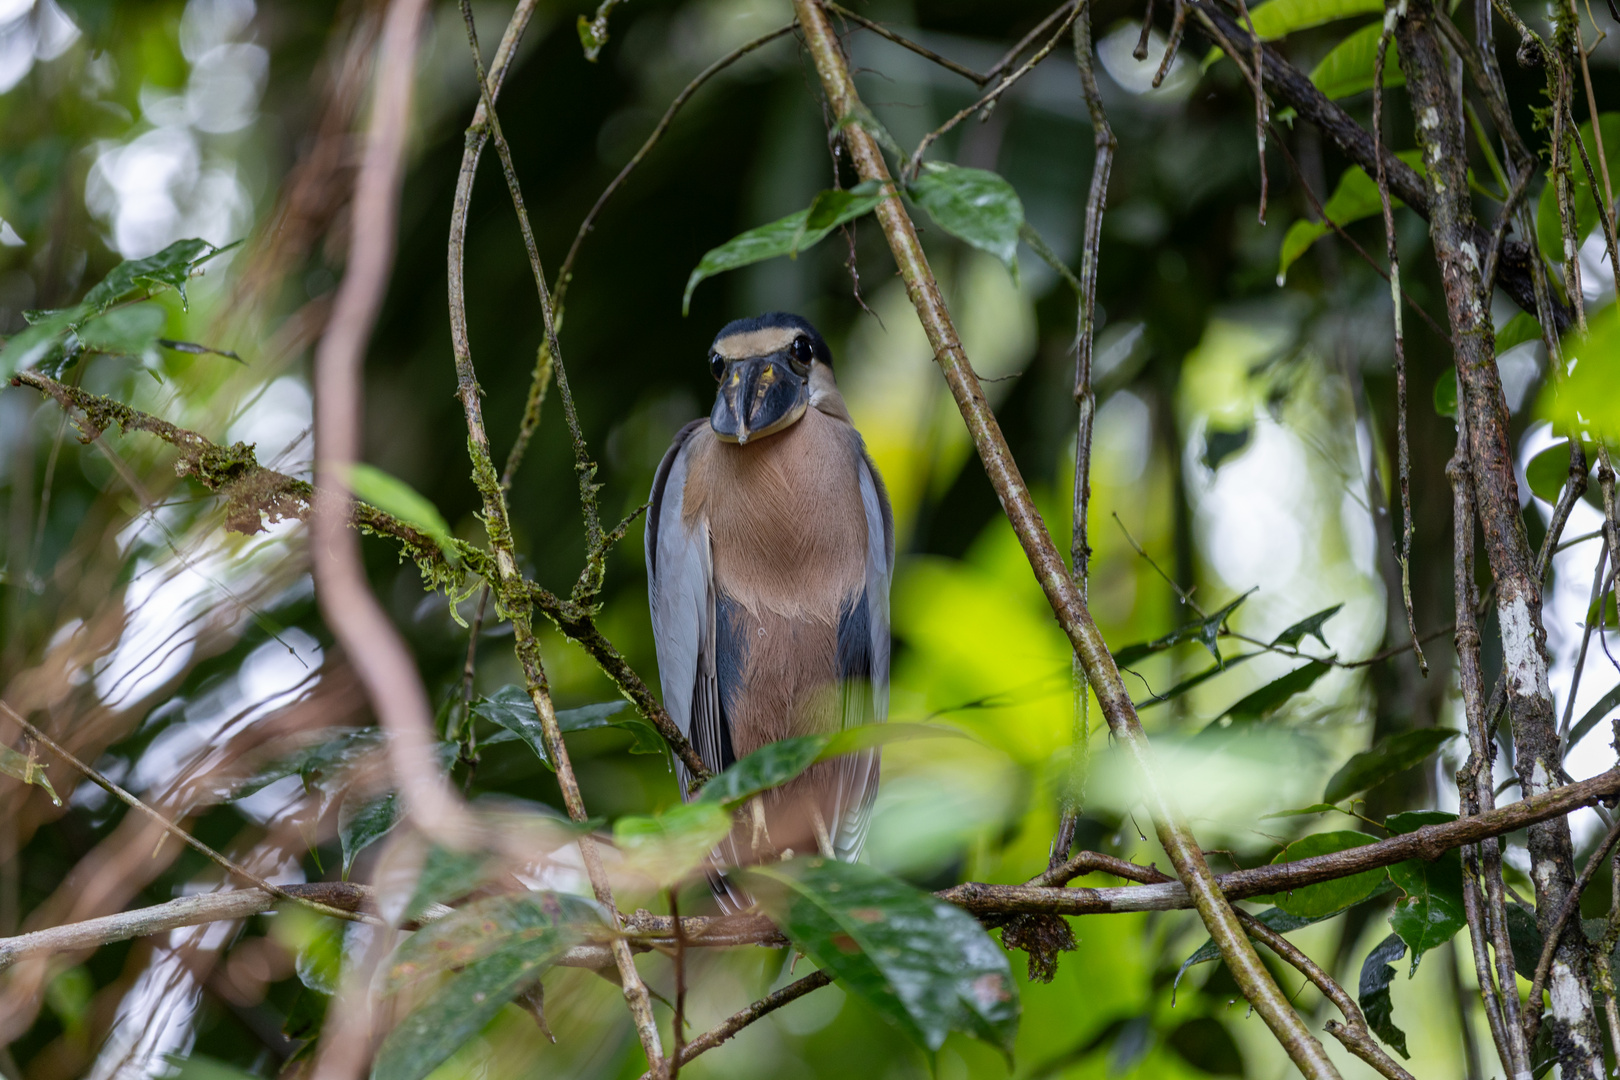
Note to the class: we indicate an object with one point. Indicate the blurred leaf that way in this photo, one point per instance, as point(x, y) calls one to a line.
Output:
point(511, 708)
point(1600, 708)
point(1549, 228)
point(1205, 631)
point(42, 345)
point(198, 350)
point(1445, 393)
point(1206, 1044)
point(315, 763)
point(1194, 680)
point(460, 1008)
point(1270, 697)
point(667, 847)
point(28, 769)
point(924, 964)
point(447, 875)
point(1548, 471)
point(1588, 401)
point(394, 496)
point(593, 33)
point(363, 823)
point(1327, 897)
point(974, 205)
point(1315, 808)
point(196, 1066)
point(1377, 973)
point(306, 1015)
point(1311, 624)
point(483, 928)
point(319, 958)
point(785, 236)
point(1220, 445)
point(1394, 754)
point(1354, 198)
point(1276, 918)
point(1516, 331)
point(1348, 69)
point(127, 331)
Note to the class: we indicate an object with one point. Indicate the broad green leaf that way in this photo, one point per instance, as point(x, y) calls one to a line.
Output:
point(461, 1008)
point(1311, 624)
point(1377, 972)
point(1600, 709)
point(1348, 69)
point(394, 496)
point(169, 268)
point(511, 708)
point(319, 961)
point(362, 823)
point(27, 769)
point(1276, 918)
point(1549, 229)
point(481, 929)
point(925, 965)
point(128, 331)
point(1392, 755)
point(1431, 912)
point(770, 766)
point(1588, 401)
point(785, 236)
point(1445, 393)
point(1524, 939)
point(316, 763)
point(1516, 331)
point(667, 847)
point(1327, 897)
point(974, 205)
point(1278, 18)
point(1412, 820)
point(774, 764)
point(1270, 697)
point(1354, 198)
point(1205, 631)
point(1548, 471)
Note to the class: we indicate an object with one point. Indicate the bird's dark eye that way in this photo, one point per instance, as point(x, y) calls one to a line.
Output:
point(717, 365)
point(801, 354)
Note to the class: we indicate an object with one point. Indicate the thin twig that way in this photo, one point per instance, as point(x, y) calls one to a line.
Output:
point(906, 43)
point(1036, 32)
point(737, 1021)
point(1178, 26)
point(134, 803)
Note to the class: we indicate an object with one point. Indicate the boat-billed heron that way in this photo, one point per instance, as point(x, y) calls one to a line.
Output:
point(770, 546)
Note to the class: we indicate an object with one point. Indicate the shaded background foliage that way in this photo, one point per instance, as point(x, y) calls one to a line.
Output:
point(1238, 422)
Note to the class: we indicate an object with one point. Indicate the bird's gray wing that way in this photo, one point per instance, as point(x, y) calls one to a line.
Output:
point(863, 665)
point(680, 586)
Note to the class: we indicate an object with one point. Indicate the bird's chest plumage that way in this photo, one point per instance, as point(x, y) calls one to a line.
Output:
point(788, 538)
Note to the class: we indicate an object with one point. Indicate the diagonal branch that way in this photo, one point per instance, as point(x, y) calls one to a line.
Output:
point(1043, 555)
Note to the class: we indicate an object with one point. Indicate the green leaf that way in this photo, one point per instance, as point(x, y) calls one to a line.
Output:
point(1588, 401)
point(127, 331)
point(1205, 631)
point(169, 268)
point(1314, 808)
point(363, 823)
point(481, 929)
point(1377, 972)
point(1432, 911)
point(1327, 897)
point(198, 350)
point(319, 963)
point(1270, 697)
point(461, 1008)
point(1412, 820)
point(1354, 198)
point(511, 708)
point(1516, 331)
point(1394, 754)
point(447, 875)
point(1348, 69)
point(316, 763)
point(1524, 939)
point(1276, 918)
point(1445, 393)
point(28, 770)
point(1194, 680)
point(395, 497)
point(1548, 471)
point(306, 1015)
point(770, 766)
point(1206, 1044)
point(1311, 624)
point(667, 847)
point(1278, 18)
point(42, 345)
point(785, 236)
point(925, 965)
point(1549, 229)
point(974, 205)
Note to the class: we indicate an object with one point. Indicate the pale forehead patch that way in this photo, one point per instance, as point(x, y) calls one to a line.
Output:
point(752, 343)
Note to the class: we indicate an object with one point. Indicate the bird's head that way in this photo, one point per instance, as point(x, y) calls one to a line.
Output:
point(764, 366)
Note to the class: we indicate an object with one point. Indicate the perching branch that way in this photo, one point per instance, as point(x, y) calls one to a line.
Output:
point(1065, 599)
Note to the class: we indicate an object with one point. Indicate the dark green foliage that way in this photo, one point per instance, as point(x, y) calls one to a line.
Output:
point(973, 205)
point(512, 709)
point(1377, 972)
point(1327, 897)
point(1391, 756)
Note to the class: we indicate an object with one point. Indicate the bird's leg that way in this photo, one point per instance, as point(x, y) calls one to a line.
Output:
point(823, 840)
